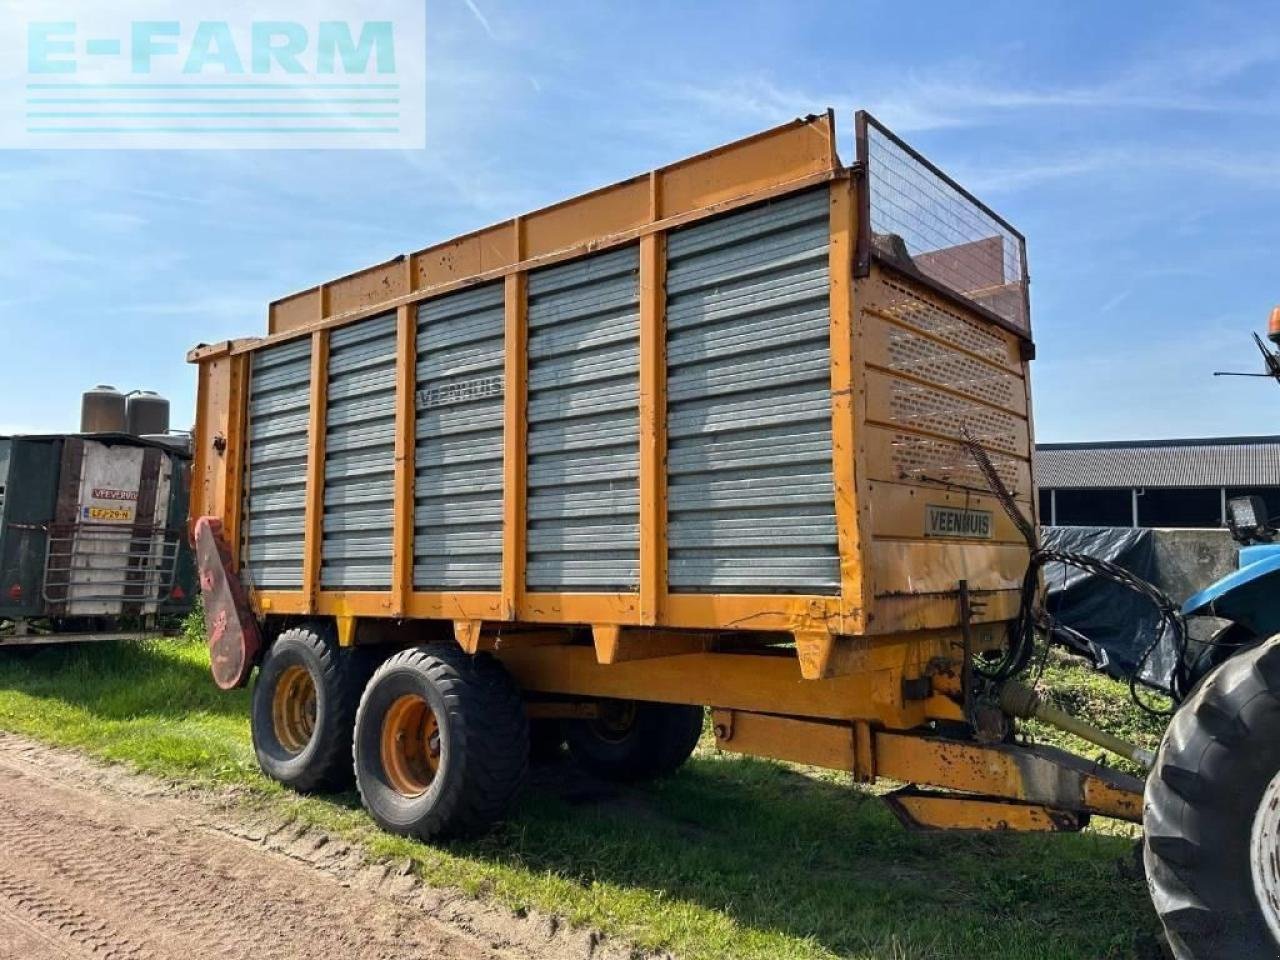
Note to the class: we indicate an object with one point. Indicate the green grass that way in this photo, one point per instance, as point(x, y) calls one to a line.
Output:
point(730, 858)
point(1082, 692)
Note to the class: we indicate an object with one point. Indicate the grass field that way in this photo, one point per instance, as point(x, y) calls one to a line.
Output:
point(730, 858)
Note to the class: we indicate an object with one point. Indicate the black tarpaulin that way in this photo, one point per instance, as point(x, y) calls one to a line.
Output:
point(1100, 619)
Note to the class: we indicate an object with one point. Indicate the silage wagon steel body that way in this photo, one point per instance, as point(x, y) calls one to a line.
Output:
point(697, 437)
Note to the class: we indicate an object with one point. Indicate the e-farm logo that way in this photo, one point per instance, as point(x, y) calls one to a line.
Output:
point(189, 75)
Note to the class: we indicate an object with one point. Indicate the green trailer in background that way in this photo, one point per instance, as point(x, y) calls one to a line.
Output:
point(93, 539)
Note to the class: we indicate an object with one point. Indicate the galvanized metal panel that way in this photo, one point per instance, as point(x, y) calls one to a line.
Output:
point(584, 426)
point(751, 499)
point(359, 463)
point(276, 487)
point(458, 465)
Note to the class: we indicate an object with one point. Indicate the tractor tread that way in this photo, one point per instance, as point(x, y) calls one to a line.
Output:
point(1217, 757)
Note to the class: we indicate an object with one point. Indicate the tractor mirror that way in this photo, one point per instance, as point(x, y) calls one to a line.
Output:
point(1247, 518)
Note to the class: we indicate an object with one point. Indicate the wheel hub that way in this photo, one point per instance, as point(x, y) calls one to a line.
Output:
point(1264, 856)
point(410, 746)
point(615, 720)
point(293, 709)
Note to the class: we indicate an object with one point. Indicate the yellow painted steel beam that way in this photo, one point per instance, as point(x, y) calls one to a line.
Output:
point(762, 683)
point(270, 602)
point(236, 454)
point(402, 511)
point(1033, 774)
point(992, 773)
point(451, 606)
point(653, 428)
point(923, 810)
point(614, 644)
point(355, 603)
point(844, 379)
point(740, 172)
point(313, 521)
point(514, 444)
point(832, 746)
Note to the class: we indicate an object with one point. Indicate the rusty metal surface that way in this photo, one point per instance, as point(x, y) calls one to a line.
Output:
point(1035, 774)
point(931, 810)
point(232, 631)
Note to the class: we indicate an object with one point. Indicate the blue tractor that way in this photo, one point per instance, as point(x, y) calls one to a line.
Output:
point(1212, 812)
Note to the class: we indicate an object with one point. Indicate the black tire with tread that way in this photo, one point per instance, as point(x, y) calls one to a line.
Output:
point(546, 740)
point(484, 737)
point(339, 675)
point(660, 739)
point(1218, 756)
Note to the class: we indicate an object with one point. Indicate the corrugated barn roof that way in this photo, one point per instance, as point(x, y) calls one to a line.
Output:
point(1216, 462)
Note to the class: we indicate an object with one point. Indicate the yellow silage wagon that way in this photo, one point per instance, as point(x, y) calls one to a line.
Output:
point(751, 432)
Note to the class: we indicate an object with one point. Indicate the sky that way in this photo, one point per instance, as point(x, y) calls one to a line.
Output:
point(1137, 146)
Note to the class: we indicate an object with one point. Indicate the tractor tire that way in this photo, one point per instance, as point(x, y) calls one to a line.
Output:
point(1212, 815)
point(635, 740)
point(441, 743)
point(1202, 657)
point(304, 704)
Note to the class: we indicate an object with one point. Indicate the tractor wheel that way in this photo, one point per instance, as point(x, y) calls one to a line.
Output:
point(1212, 815)
point(635, 740)
point(441, 743)
point(1202, 657)
point(304, 704)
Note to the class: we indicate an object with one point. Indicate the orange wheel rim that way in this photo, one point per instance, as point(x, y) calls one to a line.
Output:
point(293, 709)
point(410, 745)
point(615, 720)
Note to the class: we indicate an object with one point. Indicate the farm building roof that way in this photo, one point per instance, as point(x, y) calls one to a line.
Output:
point(1211, 462)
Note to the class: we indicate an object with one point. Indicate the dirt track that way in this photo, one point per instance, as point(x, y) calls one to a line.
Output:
point(97, 863)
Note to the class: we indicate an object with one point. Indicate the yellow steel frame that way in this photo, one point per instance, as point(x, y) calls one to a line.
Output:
point(787, 159)
point(866, 662)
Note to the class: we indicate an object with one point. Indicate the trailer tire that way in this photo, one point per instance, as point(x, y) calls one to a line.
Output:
point(1212, 815)
point(546, 740)
point(441, 743)
point(303, 708)
point(635, 740)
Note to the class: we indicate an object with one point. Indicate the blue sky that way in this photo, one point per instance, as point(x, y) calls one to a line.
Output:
point(1136, 145)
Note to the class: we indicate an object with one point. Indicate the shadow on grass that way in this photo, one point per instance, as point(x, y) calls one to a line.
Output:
point(774, 850)
point(780, 851)
point(120, 680)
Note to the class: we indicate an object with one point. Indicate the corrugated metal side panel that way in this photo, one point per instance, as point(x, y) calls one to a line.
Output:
point(359, 462)
point(584, 427)
point(458, 486)
point(751, 496)
point(276, 466)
